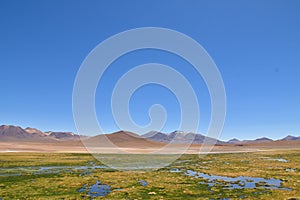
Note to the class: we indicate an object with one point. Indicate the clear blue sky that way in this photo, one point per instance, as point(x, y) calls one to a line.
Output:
point(255, 44)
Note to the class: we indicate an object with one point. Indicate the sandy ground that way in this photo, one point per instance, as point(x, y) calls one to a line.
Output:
point(78, 147)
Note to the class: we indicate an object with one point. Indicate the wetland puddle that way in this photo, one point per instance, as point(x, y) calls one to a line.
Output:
point(18, 171)
point(241, 182)
point(143, 183)
point(275, 159)
point(278, 159)
point(290, 170)
point(96, 190)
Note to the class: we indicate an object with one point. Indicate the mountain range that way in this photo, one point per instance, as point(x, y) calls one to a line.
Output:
point(124, 138)
point(180, 137)
point(16, 133)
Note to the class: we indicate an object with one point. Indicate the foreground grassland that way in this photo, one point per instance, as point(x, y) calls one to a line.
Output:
point(161, 184)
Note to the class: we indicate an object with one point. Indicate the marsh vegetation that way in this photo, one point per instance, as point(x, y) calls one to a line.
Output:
point(76, 176)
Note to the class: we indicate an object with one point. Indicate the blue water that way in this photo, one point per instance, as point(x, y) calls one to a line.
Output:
point(175, 170)
point(278, 159)
point(240, 182)
point(48, 170)
point(96, 190)
point(143, 183)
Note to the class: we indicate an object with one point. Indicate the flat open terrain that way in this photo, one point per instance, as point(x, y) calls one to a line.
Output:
point(138, 147)
point(272, 174)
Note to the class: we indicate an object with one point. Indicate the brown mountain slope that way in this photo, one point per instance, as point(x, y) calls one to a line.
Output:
point(34, 131)
point(121, 139)
point(9, 133)
point(16, 133)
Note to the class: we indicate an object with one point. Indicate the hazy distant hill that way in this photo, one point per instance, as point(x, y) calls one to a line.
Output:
point(233, 141)
point(62, 135)
point(180, 137)
point(157, 136)
point(290, 137)
point(258, 140)
point(264, 140)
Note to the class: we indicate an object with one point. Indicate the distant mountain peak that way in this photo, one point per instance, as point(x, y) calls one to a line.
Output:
point(12, 132)
point(34, 131)
point(9, 126)
point(62, 135)
point(178, 132)
point(263, 139)
point(234, 140)
point(290, 137)
point(179, 137)
point(150, 134)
